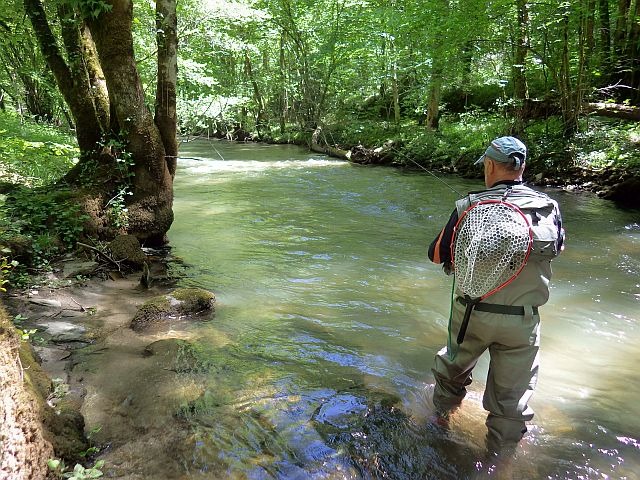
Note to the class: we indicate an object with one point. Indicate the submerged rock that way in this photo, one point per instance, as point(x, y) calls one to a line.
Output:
point(180, 356)
point(181, 302)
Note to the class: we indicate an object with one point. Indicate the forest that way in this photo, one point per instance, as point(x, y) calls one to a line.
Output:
point(381, 82)
point(98, 96)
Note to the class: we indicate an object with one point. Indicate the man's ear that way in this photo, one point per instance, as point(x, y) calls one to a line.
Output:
point(490, 165)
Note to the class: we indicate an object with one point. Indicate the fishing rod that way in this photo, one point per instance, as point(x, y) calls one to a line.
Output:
point(406, 157)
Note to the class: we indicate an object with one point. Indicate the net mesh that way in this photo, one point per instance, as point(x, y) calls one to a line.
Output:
point(490, 247)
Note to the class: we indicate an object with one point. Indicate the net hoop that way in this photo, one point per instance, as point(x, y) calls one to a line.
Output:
point(491, 244)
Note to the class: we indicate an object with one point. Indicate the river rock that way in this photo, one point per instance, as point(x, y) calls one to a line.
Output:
point(182, 302)
point(127, 248)
point(624, 193)
point(180, 356)
point(46, 302)
point(73, 268)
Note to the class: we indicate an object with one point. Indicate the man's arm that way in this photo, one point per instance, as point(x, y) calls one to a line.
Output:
point(560, 242)
point(440, 248)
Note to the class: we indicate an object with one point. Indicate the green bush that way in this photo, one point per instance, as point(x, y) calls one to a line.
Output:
point(51, 222)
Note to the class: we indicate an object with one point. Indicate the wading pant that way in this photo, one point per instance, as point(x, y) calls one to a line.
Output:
point(513, 343)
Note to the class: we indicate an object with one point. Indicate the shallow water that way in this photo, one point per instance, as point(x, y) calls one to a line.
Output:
point(329, 315)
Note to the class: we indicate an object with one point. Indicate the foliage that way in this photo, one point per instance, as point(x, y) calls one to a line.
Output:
point(33, 154)
point(279, 68)
point(78, 473)
point(603, 143)
point(5, 268)
point(46, 217)
point(117, 211)
point(25, 82)
point(91, 8)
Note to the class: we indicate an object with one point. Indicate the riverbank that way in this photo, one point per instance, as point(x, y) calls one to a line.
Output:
point(604, 159)
point(616, 183)
point(96, 367)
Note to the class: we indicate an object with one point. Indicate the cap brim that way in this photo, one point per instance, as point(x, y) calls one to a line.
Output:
point(480, 160)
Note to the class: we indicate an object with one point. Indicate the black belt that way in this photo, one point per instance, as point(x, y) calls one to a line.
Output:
point(497, 308)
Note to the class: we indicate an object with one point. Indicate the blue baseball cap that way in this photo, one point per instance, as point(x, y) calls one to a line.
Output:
point(506, 150)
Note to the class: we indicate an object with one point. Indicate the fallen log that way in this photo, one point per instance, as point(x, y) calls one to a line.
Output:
point(319, 145)
point(614, 110)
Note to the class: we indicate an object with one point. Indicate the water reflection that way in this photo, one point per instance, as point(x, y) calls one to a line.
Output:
point(333, 315)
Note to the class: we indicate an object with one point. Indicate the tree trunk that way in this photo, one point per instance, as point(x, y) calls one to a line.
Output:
point(283, 107)
point(520, 88)
point(605, 32)
point(166, 117)
point(433, 106)
point(518, 69)
point(396, 92)
point(614, 110)
point(72, 78)
point(150, 209)
point(621, 26)
point(257, 95)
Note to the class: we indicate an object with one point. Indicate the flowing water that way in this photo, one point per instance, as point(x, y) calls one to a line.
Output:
point(329, 314)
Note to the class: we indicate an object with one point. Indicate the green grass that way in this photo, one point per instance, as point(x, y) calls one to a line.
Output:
point(34, 154)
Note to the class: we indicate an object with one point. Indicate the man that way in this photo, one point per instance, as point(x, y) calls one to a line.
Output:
point(507, 322)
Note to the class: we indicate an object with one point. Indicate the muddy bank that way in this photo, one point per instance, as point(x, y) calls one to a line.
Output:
point(24, 450)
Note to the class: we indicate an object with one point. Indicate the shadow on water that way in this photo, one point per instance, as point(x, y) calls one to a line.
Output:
point(381, 441)
point(353, 434)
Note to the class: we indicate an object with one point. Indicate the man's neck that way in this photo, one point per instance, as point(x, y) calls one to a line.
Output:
point(511, 181)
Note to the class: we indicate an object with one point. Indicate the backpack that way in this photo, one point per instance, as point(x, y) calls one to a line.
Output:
point(541, 211)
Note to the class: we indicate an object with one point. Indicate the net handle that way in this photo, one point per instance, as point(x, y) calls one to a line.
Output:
point(471, 303)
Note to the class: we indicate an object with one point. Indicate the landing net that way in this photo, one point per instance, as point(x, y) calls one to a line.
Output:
point(491, 245)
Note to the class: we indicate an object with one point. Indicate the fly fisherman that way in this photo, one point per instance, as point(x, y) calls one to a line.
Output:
point(507, 322)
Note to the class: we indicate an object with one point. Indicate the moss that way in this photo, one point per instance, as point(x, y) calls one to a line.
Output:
point(204, 406)
point(180, 356)
point(181, 302)
point(151, 312)
point(127, 248)
point(193, 300)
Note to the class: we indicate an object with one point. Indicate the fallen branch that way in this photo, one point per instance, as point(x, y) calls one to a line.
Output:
point(326, 148)
point(101, 253)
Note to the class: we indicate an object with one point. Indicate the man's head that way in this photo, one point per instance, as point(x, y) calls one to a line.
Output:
point(504, 159)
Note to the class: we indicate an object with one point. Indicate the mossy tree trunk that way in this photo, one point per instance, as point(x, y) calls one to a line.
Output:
point(150, 208)
point(79, 78)
point(100, 82)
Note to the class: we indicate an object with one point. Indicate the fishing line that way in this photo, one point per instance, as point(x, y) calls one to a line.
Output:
point(406, 157)
point(210, 144)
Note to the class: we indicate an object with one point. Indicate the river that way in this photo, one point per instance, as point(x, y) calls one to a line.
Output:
point(329, 314)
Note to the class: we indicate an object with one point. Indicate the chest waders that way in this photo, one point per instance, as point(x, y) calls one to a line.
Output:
point(493, 246)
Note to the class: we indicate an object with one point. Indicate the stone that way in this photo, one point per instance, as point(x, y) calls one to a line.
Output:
point(74, 268)
point(127, 248)
point(182, 302)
